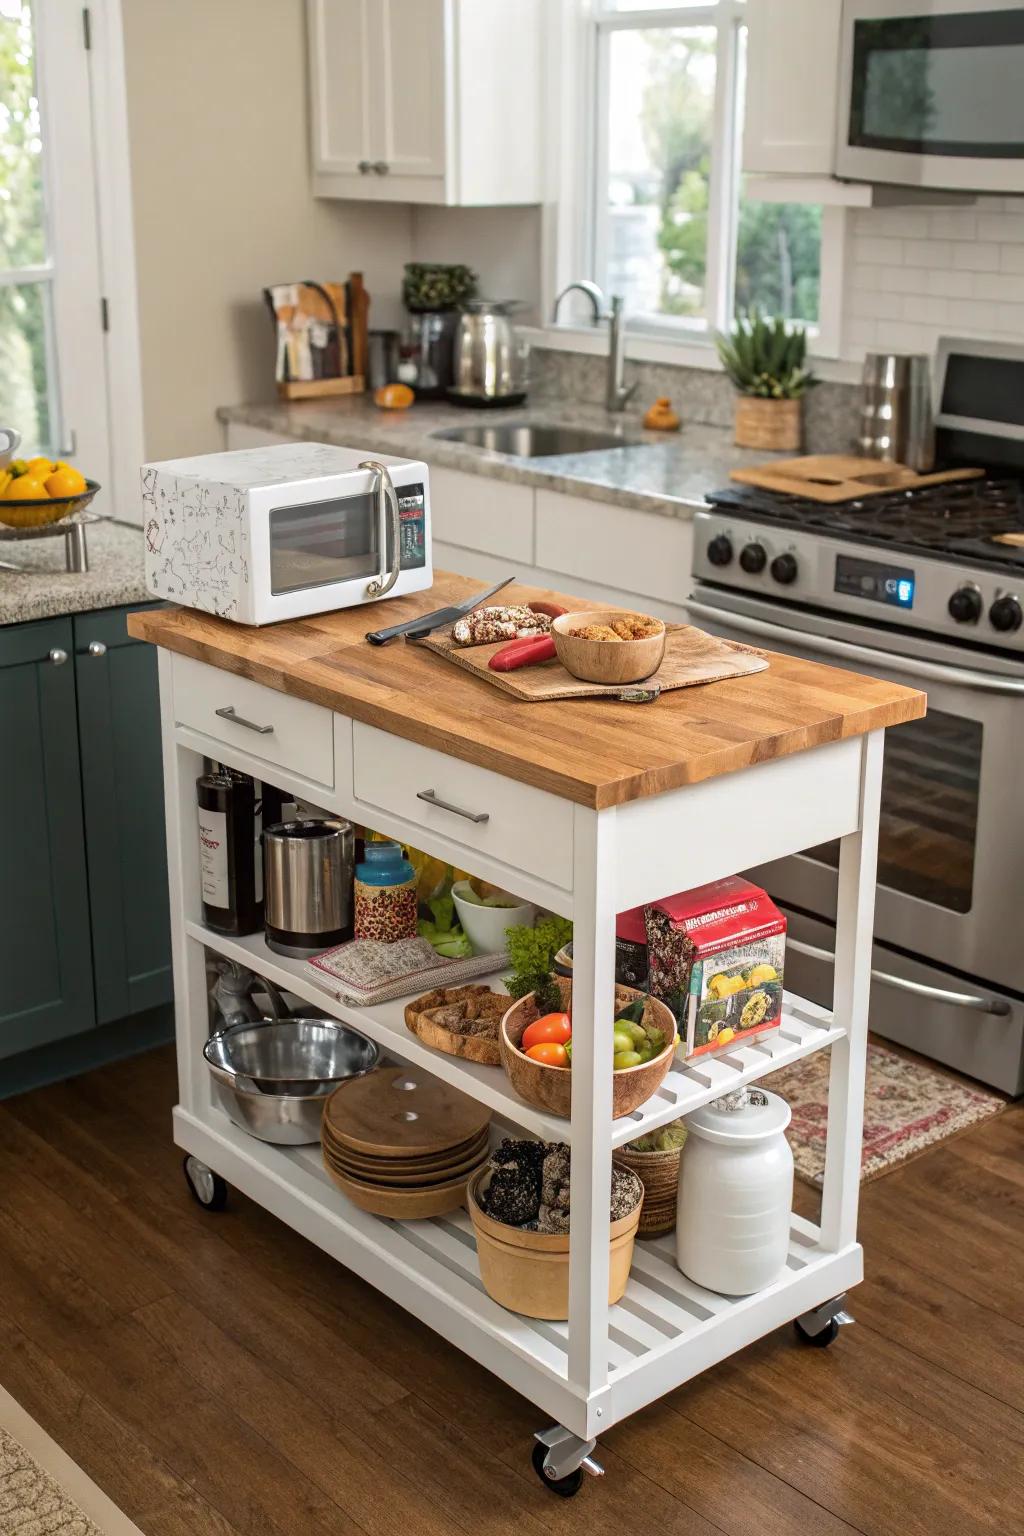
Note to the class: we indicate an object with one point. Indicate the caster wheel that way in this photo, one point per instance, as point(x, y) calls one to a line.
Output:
point(207, 1187)
point(565, 1487)
point(820, 1340)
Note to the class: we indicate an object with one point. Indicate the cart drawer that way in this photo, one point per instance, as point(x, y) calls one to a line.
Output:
point(272, 726)
point(520, 826)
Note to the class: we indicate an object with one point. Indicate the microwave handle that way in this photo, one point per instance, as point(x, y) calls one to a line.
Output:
point(387, 515)
point(917, 671)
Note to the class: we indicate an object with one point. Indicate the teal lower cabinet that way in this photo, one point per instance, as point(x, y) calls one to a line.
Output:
point(84, 934)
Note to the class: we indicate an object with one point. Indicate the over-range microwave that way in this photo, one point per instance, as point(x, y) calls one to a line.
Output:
point(931, 94)
point(264, 534)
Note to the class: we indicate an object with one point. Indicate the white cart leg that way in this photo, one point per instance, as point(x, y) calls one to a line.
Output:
point(854, 927)
point(593, 946)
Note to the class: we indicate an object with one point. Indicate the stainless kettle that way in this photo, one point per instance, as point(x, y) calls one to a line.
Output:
point(490, 363)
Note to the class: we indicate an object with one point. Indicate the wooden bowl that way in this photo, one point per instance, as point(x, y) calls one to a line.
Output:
point(528, 1272)
point(550, 1088)
point(606, 661)
point(402, 1204)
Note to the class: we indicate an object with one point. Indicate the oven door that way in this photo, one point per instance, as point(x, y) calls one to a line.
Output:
point(950, 858)
point(930, 94)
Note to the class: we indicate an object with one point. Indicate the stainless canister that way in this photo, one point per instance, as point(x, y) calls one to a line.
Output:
point(308, 869)
point(490, 357)
point(896, 421)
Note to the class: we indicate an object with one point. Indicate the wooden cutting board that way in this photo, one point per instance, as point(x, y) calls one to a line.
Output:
point(691, 657)
point(834, 477)
point(401, 1112)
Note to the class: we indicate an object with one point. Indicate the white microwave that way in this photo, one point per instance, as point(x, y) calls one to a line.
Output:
point(931, 94)
point(265, 534)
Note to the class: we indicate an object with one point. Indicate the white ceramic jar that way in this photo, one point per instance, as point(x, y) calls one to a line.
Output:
point(735, 1193)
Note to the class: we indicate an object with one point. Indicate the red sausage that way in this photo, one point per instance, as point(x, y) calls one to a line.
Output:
point(523, 653)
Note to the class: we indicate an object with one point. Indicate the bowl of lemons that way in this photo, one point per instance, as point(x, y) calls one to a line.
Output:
point(37, 491)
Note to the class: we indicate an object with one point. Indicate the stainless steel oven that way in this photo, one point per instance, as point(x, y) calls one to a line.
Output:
point(949, 956)
point(930, 94)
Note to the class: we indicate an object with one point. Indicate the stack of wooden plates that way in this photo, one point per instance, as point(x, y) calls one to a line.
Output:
point(399, 1143)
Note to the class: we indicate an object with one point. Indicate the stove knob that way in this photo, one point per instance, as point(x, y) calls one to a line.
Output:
point(1005, 614)
point(784, 569)
point(753, 559)
point(965, 606)
point(720, 550)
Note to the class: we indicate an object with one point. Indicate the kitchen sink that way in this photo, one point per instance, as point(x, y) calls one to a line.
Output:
point(530, 440)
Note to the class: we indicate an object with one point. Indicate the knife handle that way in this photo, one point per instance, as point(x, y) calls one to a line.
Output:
point(380, 636)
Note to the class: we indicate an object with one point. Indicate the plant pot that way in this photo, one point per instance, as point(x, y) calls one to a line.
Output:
point(774, 425)
point(528, 1272)
point(550, 1088)
point(658, 1172)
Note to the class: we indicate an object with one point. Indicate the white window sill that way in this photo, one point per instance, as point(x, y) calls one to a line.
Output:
point(641, 348)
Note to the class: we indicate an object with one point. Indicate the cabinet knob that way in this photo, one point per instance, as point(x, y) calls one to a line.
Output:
point(381, 167)
point(365, 167)
point(97, 648)
point(58, 656)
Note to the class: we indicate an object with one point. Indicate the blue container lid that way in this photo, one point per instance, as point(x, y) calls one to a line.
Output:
point(384, 864)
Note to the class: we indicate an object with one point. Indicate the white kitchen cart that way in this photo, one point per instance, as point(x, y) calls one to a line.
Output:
point(587, 864)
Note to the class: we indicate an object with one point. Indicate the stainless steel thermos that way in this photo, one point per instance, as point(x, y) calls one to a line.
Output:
point(308, 869)
point(896, 421)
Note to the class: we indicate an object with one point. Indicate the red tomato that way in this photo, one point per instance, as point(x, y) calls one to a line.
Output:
point(550, 1053)
point(553, 1026)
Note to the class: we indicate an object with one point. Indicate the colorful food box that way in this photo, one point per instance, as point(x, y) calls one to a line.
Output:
point(716, 959)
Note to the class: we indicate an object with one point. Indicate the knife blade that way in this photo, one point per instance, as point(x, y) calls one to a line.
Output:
point(425, 623)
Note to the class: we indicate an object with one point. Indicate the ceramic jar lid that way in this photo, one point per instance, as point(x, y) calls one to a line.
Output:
point(741, 1119)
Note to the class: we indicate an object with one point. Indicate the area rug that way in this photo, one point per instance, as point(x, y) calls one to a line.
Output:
point(908, 1106)
point(42, 1491)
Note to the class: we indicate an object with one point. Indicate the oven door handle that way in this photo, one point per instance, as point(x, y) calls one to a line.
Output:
point(388, 523)
point(997, 1007)
point(919, 671)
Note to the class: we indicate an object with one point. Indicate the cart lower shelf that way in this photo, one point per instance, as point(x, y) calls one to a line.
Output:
point(663, 1332)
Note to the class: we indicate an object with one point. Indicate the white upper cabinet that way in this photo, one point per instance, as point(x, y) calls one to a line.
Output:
point(792, 83)
point(426, 101)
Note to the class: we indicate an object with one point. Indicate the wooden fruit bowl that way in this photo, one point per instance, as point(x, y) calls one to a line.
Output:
point(36, 514)
point(605, 661)
point(550, 1088)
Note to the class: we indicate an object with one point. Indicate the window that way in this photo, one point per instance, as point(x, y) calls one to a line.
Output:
point(671, 225)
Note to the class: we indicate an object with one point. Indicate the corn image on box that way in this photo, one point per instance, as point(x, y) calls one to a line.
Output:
point(716, 958)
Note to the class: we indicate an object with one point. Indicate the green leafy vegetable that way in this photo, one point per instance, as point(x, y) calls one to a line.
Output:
point(532, 952)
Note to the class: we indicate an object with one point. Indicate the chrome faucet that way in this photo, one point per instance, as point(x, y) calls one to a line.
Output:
point(616, 393)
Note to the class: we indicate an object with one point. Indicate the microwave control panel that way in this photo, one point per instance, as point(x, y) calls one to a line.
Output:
point(412, 526)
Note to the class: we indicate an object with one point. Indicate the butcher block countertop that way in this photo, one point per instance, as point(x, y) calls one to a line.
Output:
point(597, 752)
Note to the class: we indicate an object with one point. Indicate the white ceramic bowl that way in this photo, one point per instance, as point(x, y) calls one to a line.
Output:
point(485, 927)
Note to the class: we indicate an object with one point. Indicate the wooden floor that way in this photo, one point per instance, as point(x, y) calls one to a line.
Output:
point(216, 1374)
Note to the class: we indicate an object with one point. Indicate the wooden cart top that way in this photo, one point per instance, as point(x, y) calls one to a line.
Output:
point(598, 752)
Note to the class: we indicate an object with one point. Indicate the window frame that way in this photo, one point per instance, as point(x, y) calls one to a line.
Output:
point(573, 76)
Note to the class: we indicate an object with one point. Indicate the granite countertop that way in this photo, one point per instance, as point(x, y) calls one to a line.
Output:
point(43, 589)
point(665, 473)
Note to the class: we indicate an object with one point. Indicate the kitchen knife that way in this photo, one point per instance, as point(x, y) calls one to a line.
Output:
point(426, 623)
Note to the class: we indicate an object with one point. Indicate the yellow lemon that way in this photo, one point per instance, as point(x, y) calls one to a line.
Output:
point(25, 488)
point(65, 481)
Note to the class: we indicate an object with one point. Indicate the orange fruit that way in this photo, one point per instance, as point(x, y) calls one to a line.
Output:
point(65, 481)
point(25, 488)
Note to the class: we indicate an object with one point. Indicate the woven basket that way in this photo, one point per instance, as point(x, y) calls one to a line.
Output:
point(775, 425)
point(658, 1172)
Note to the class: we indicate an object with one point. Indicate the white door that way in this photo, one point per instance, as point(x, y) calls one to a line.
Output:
point(344, 65)
point(53, 385)
point(792, 78)
point(410, 90)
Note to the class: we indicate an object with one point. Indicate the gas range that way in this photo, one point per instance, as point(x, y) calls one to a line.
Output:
point(947, 559)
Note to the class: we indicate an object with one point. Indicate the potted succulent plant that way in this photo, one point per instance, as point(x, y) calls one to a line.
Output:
point(765, 359)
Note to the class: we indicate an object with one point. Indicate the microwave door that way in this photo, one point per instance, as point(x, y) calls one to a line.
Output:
point(933, 99)
point(323, 542)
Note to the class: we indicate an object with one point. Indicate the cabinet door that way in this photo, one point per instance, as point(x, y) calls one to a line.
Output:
point(122, 782)
point(789, 125)
point(45, 968)
point(410, 85)
point(341, 75)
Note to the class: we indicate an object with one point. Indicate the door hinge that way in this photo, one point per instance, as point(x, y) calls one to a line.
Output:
point(86, 28)
point(105, 314)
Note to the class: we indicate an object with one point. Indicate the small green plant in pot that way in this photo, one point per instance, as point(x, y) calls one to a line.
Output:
point(432, 287)
point(766, 361)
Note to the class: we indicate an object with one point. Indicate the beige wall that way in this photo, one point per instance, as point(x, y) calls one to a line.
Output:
point(217, 109)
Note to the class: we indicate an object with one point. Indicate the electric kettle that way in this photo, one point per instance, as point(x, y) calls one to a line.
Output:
point(490, 361)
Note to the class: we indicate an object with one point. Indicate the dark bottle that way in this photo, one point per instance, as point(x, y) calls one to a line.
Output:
point(232, 886)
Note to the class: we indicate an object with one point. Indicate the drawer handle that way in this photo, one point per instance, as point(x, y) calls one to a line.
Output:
point(429, 796)
point(228, 713)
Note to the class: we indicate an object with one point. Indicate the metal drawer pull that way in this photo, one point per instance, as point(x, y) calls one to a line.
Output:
point(96, 648)
point(998, 1007)
point(228, 713)
point(58, 656)
point(442, 805)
